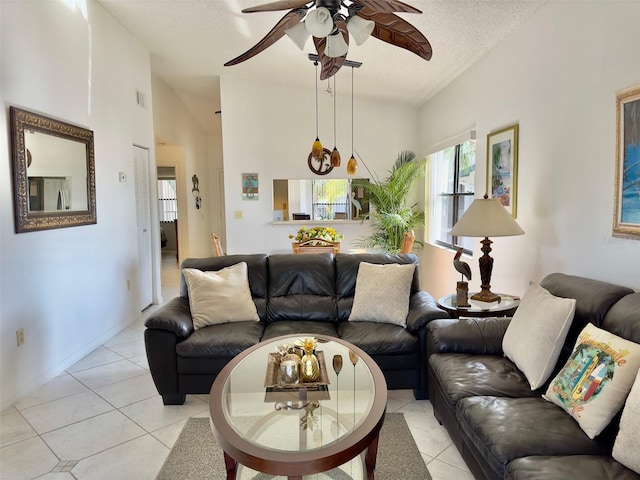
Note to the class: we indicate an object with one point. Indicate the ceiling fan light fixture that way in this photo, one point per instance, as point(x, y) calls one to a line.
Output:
point(360, 29)
point(316, 149)
point(319, 22)
point(336, 46)
point(299, 35)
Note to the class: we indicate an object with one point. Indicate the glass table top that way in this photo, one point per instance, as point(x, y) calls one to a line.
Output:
point(298, 417)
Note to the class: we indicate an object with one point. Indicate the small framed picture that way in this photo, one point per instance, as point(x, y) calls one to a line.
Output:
point(502, 166)
point(250, 186)
point(626, 210)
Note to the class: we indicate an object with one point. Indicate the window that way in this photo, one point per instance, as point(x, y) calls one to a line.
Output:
point(451, 191)
point(167, 200)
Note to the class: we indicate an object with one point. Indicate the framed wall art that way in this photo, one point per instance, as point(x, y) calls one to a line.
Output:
point(250, 186)
point(502, 166)
point(626, 211)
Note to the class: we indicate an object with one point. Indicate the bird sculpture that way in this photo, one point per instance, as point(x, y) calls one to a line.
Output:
point(460, 266)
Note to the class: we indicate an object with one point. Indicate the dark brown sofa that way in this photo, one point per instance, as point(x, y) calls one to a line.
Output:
point(293, 294)
point(503, 429)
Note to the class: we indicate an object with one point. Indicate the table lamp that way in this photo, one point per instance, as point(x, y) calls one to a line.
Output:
point(486, 217)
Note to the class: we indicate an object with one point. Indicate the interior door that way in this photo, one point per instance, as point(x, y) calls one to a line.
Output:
point(143, 222)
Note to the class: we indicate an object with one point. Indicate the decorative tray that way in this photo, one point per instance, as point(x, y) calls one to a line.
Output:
point(272, 378)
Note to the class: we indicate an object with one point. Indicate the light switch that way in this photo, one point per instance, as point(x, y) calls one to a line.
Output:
point(237, 214)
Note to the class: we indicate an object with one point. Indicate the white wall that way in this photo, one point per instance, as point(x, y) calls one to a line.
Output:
point(175, 126)
point(268, 129)
point(556, 76)
point(68, 287)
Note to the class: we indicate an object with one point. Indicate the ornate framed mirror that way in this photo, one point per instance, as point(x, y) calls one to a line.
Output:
point(54, 182)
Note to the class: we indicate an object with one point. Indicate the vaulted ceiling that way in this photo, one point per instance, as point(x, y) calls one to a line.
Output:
point(190, 40)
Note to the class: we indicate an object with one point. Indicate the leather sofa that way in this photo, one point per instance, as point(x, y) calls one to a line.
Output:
point(293, 294)
point(502, 428)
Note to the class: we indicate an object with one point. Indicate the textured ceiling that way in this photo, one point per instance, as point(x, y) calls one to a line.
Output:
point(190, 40)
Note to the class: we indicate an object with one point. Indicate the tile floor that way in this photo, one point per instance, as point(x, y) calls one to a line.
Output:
point(103, 419)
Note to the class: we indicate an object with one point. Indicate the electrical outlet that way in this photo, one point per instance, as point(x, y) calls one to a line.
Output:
point(20, 336)
point(128, 285)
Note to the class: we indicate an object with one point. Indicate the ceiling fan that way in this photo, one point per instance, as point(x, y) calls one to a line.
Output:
point(326, 21)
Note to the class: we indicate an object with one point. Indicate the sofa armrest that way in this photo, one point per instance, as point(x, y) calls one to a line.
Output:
point(481, 336)
point(174, 316)
point(423, 309)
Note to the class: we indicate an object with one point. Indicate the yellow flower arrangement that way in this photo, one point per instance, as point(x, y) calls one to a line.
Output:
point(317, 233)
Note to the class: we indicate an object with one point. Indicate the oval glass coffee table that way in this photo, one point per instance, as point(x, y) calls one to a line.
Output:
point(288, 430)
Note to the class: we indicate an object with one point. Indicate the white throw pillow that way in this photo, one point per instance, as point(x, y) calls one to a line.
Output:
point(382, 293)
point(222, 296)
point(626, 450)
point(596, 379)
point(536, 333)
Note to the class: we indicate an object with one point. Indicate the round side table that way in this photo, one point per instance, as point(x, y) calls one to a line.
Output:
point(505, 307)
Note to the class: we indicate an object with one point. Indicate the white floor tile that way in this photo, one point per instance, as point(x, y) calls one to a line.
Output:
point(432, 441)
point(129, 391)
point(14, 428)
point(443, 471)
point(91, 436)
point(169, 434)
point(110, 373)
point(141, 360)
point(100, 356)
point(57, 476)
point(26, 460)
point(453, 457)
point(130, 349)
point(62, 386)
point(152, 414)
point(125, 336)
point(139, 459)
point(60, 413)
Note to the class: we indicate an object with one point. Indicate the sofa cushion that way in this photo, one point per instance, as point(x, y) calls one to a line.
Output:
point(626, 448)
point(503, 429)
point(594, 298)
point(302, 327)
point(220, 297)
point(623, 319)
point(382, 293)
point(595, 381)
point(378, 338)
point(466, 375)
point(583, 467)
point(347, 272)
point(535, 335)
point(302, 287)
point(257, 272)
point(224, 340)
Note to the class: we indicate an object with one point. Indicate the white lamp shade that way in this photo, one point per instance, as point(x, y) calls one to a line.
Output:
point(336, 46)
point(319, 22)
point(360, 29)
point(298, 34)
point(486, 217)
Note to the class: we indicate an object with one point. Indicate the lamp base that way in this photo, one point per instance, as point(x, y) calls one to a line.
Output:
point(486, 295)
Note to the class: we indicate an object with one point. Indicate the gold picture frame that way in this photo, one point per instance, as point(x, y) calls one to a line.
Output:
point(626, 210)
point(502, 167)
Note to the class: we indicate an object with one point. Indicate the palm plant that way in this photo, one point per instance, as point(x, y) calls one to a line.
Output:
point(393, 215)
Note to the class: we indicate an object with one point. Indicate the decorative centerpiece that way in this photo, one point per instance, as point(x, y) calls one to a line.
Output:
point(316, 240)
point(309, 366)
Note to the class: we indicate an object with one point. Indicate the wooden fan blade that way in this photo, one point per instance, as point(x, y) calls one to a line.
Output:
point(331, 65)
point(387, 6)
point(394, 30)
point(289, 20)
point(280, 5)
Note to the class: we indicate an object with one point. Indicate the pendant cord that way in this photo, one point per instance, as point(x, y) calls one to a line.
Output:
point(334, 111)
point(316, 64)
point(352, 111)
